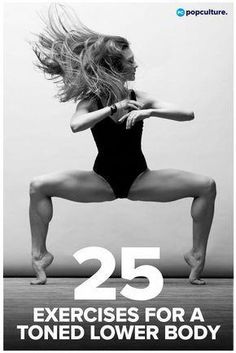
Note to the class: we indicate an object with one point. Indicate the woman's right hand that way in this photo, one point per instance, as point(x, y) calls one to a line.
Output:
point(128, 104)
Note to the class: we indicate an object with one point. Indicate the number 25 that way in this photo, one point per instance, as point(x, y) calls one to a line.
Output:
point(90, 290)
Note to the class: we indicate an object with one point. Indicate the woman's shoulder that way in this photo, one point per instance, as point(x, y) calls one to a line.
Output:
point(138, 94)
point(145, 99)
point(90, 104)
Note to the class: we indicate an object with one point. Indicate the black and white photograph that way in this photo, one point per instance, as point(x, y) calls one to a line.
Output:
point(118, 175)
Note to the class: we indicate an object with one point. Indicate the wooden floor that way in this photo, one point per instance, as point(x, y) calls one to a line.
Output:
point(215, 301)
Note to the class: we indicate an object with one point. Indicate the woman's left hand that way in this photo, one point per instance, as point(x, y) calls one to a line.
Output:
point(134, 116)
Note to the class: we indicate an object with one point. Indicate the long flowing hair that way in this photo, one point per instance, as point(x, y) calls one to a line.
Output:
point(85, 64)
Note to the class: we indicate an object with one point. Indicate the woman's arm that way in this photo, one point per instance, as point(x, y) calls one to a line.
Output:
point(158, 109)
point(164, 109)
point(171, 112)
point(87, 113)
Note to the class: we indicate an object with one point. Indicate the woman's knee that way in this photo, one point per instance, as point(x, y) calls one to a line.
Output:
point(209, 187)
point(36, 185)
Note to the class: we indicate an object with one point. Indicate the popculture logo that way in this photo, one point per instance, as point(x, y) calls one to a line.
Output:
point(210, 12)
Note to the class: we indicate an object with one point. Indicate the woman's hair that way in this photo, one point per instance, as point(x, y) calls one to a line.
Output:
point(86, 64)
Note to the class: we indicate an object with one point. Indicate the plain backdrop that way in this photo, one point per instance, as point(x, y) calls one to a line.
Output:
point(184, 60)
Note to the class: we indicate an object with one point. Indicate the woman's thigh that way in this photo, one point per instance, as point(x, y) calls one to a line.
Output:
point(168, 185)
point(74, 185)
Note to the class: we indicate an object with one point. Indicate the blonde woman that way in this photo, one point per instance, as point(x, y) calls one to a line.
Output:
point(93, 70)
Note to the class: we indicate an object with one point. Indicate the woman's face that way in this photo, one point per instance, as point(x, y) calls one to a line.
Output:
point(130, 65)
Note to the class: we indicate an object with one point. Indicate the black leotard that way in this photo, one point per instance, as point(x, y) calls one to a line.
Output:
point(120, 159)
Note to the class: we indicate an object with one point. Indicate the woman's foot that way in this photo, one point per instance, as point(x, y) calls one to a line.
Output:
point(39, 265)
point(196, 262)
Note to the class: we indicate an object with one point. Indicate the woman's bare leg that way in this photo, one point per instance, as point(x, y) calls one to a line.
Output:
point(170, 185)
point(78, 186)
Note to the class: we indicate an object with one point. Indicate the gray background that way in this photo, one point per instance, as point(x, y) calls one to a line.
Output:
point(187, 61)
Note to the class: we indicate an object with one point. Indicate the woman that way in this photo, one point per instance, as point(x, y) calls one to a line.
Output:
point(93, 69)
